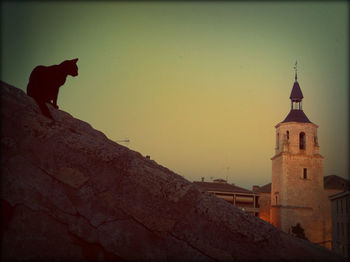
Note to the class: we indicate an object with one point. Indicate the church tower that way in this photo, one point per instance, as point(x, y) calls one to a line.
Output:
point(297, 173)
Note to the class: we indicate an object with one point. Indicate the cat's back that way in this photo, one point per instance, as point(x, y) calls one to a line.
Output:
point(42, 73)
point(39, 80)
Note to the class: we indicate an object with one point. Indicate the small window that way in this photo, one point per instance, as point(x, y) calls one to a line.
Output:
point(302, 141)
point(287, 135)
point(277, 140)
point(305, 173)
point(276, 199)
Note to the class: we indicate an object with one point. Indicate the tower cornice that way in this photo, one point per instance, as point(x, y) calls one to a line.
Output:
point(297, 155)
point(294, 122)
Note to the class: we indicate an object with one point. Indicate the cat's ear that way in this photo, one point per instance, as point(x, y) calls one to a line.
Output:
point(75, 60)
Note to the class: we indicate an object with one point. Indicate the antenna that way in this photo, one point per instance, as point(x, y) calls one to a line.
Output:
point(296, 70)
point(228, 170)
point(127, 141)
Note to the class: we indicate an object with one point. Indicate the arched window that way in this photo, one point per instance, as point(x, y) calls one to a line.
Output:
point(277, 140)
point(287, 135)
point(302, 144)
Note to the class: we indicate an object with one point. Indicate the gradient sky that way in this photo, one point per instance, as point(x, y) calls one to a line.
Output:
point(198, 86)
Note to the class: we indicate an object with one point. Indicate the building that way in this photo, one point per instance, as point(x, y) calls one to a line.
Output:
point(264, 198)
point(299, 192)
point(332, 185)
point(242, 198)
point(297, 173)
point(340, 204)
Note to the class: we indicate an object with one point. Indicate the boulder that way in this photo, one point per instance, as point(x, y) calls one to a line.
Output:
point(71, 194)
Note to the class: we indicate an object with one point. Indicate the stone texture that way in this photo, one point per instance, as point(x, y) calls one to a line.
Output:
point(69, 193)
point(296, 199)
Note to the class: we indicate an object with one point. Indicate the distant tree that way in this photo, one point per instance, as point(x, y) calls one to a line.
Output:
point(298, 231)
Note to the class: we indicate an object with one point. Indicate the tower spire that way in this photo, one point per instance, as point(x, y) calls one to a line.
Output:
point(296, 70)
point(296, 113)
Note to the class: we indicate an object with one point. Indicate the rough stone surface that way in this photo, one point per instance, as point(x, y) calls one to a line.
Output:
point(295, 198)
point(69, 193)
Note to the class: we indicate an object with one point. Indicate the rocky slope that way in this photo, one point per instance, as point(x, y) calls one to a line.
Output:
point(70, 193)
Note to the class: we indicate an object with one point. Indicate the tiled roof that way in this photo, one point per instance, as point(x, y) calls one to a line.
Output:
point(336, 182)
point(296, 116)
point(296, 93)
point(222, 187)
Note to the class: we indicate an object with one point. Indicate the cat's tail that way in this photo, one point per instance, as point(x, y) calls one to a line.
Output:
point(44, 109)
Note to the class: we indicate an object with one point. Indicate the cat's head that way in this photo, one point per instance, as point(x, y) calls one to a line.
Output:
point(71, 67)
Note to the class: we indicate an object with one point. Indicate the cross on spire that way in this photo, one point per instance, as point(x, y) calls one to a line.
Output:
point(296, 69)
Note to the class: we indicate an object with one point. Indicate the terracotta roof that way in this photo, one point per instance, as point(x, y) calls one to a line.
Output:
point(336, 182)
point(223, 187)
point(296, 116)
point(296, 93)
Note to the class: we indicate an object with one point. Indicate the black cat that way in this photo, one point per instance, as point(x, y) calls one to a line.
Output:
point(45, 81)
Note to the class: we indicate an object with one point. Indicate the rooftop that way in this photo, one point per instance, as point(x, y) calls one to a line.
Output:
point(222, 187)
point(263, 189)
point(336, 182)
point(339, 195)
point(296, 116)
point(296, 93)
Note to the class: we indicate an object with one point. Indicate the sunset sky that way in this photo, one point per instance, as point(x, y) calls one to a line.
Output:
point(198, 86)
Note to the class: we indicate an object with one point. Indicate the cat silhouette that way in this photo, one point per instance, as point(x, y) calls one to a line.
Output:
point(45, 81)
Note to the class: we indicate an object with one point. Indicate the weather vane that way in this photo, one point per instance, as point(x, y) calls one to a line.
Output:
point(296, 70)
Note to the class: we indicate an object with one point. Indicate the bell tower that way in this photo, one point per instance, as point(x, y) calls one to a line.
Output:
point(297, 172)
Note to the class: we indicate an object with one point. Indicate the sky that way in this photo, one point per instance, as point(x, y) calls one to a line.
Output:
point(198, 86)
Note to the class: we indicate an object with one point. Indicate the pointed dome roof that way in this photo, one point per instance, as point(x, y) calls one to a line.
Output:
point(296, 113)
point(296, 93)
point(296, 116)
